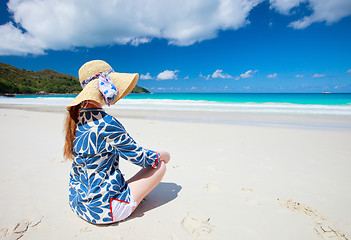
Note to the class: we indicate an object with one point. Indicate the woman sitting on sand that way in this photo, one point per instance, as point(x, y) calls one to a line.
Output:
point(96, 141)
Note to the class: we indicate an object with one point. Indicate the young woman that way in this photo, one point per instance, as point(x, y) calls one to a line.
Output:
point(96, 141)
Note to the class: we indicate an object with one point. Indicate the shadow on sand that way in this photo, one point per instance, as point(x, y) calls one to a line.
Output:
point(163, 193)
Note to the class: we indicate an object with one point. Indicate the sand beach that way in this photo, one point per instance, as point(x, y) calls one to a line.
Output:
point(251, 98)
point(231, 176)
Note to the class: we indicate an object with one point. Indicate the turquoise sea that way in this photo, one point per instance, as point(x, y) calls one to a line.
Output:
point(307, 103)
point(295, 98)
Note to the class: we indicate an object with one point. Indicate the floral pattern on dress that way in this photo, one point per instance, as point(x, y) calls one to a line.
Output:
point(101, 141)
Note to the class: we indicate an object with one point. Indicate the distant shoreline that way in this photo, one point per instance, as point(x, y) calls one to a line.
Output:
point(45, 94)
point(50, 94)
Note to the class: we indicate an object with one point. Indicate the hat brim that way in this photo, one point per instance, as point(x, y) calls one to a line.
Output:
point(124, 82)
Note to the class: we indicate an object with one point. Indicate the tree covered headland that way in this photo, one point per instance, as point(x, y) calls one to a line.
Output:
point(17, 81)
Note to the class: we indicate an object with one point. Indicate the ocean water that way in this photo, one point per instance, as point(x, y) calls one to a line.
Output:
point(301, 103)
point(296, 98)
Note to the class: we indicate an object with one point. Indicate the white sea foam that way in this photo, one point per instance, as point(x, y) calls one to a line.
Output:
point(189, 105)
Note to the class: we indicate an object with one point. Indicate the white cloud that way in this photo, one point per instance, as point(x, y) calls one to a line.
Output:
point(348, 71)
point(219, 74)
point(299, 76)
point(146, 76)
point(274, 75)
point(44, 25)
point(203, 76)
point(316, 75)
point(14, 42)
point(329, 11)
point(248, 74)
point(66, 24)
point(167, 75)
point(284, 6)
point(137, 41)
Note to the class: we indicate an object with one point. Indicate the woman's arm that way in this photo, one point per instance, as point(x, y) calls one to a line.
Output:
point(129, 150)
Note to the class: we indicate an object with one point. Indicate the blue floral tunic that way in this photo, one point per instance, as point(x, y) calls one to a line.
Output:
point(95, 178)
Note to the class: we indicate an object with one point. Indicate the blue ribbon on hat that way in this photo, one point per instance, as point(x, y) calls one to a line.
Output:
point(106, 87)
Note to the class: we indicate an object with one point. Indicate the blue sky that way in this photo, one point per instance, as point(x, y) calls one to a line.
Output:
point(188, 45)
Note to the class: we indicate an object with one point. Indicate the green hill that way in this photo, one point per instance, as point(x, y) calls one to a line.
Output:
point(17, 81)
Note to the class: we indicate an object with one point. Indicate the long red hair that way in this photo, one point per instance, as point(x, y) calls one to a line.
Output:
point(70, 131)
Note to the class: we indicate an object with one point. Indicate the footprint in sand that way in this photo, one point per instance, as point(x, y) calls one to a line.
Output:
point(12, 237)
point(35, 221)
point(196, 227)
point(246, 190)
point(176, 166)
point(21, 227)
point(300, 208)
point(211, 187)
point(86, 229)
point(3, 232)
point(324, 231)
point(250, 201)
point(16, 233)
point(323, 228)
point(19, 230)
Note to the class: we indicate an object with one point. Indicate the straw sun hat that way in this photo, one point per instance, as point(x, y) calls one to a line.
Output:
point(124, 82)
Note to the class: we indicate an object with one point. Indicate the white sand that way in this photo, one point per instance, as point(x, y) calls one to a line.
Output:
point(282, 180)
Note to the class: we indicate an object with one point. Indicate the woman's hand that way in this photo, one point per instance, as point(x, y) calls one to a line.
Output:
point(165, 157)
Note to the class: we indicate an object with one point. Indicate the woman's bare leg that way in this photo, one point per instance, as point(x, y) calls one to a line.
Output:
point(142, 183)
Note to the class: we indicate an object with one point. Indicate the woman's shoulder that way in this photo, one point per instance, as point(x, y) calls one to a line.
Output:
point(102, 119)
point(112, 121)
point(98, 116)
